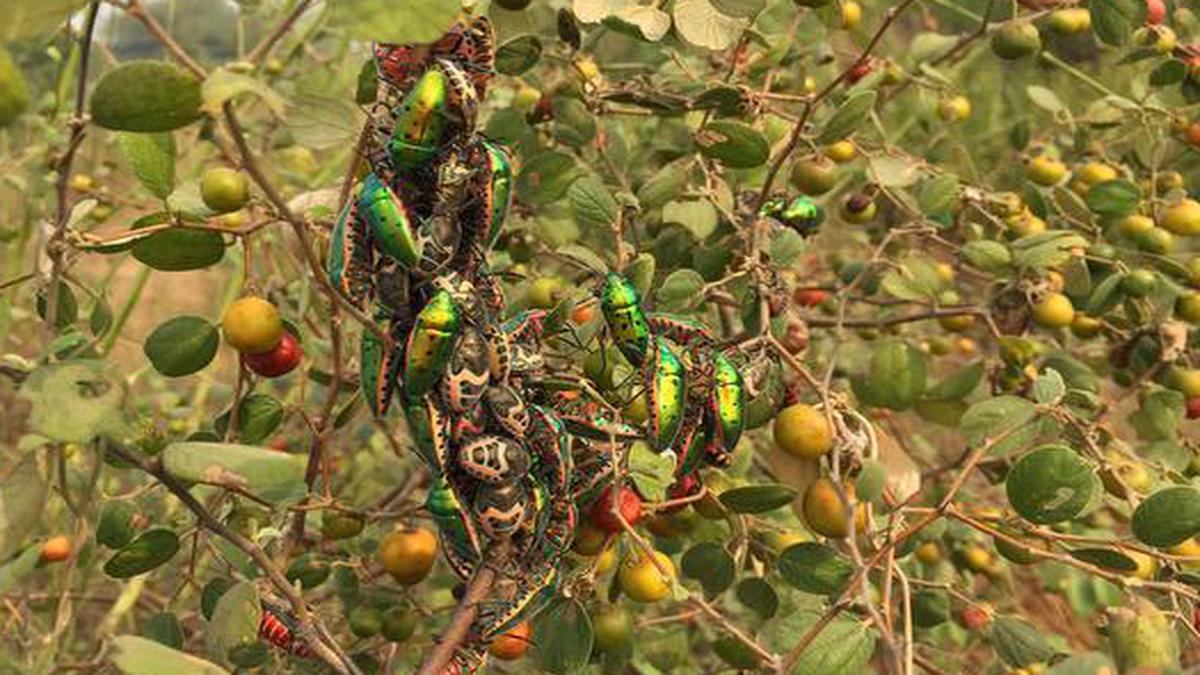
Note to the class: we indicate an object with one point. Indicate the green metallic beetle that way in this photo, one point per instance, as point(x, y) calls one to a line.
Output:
point(391, 225)
point(626, 321)
point(430, 345)
point(377, 372)
point(460, 541)
point(351, 256)
point(498, 191)
point(666, 392)
point(420, 121)
point(801, 214)
point(727, 403)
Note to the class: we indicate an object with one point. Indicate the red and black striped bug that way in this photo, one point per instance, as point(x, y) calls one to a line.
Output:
point(277, 627)
point(472, 45)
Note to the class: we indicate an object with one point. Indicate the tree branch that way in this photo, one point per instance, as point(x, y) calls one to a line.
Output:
point(468, 608)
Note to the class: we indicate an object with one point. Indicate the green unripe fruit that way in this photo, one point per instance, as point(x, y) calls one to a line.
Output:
point(398, 624)
point(365, 621)
point(1187, 307)
point(1139, 283)
point(858, 209)
point(814, 176)
point(1183, 218)
point(1155, 240)
point(613, 627)
point(224, 189)
point(1016, 40)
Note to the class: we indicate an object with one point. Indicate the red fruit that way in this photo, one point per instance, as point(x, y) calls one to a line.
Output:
point(684, 486)
point(279, 361)
point(1192, 134)
point(56, 549)
point(974, 618)
point(604, 519)
point(859, 70)
point(1156, 12)
point(278, 444)
point(1193, 408)
point(809, 297)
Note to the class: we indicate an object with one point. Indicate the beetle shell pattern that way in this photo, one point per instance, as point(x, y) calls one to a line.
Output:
point(494, 459)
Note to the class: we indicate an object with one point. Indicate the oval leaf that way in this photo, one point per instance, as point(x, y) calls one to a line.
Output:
point(757, 498)
point(815, 568)
point(1051, 484)
point(734, 144)
point(711, 565)
point(149, 550)
point(180, 249)
point(146, 96)
point(273, 476)
point(564, 636)
point(182, 346)
point(1168, 517)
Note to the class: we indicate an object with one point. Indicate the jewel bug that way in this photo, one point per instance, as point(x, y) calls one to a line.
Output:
point(429, 345)
point(494, 459)
point(727, 403)
point(467, 375)
point(666, 391)
point(420, 121)
point(276, 626)
point(390, 223)
point(626, 321)
point(351, 256)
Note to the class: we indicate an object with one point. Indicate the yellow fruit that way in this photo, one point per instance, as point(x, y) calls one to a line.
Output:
point(587, 68)
point(526, 97)
point(606, 560)
point(1084, 326)
point(224, 189)
point(1132, 226)
point(1187, 307)
point(1147, 566)
point(81, 182)
point(408, 554)
point(803, 431)
point(1188, 549)
point(824, 513)
point(851, 14)
point(252, 326)
point(957, 323)
point(954, 108)
point(1090, 174)
point(14, 89)
point(1045, 170)
point(546, 292)
point(1054, 311)
point(642, 580)
point(945, 272)
point(1025, 224)
point(779, 542)
point(1186, 380)
point(840, 152)
point(588, 540)
point(1182, 218)
point(1071, 20)
point(976, 557)
point(967, 346)
point(929, 553)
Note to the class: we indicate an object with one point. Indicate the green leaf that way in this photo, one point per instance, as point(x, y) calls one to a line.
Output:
point(842, 648)
point(710, 564)
point(650, 23)
point(80, 387)
point(269, 475)
point(258, 417)
point(815, 568)
point(591, 203)
point(17, 569)
point(757, 498)
point(939, 194)
point(180, 249)
point(1113, 21)
point(871, 481)
point(565, 636)
point(574, 124)
point(701, 24)
point(1048, 249)
point(152, 157)
point(584, 256)
point(734, 144)
point(699, 216)
point(665, 184)
point(134, 655)
point(680, 291)
point(115, 528)
point(992, 417)
point(234, 623)
point(22, 497)
point(1114, 198)
point(1168, 517)
point(182, 346)
point(224, 85)
point(893, 172)
point(518, 55)
point(149, 550)
point(1087, 663)
point(1049, 388)
point(640, 273)
point(896, 378)
point(1108, 558)
point(848, 117)
point(651, 472)
point(930, 608)
point(320, 121)
point(989, 256)
point(546, 177)
point(420, 21)
point(22, 18)
point(759, 596)
point(785, 246)
point(147, 96)
point(958, 384)
point(1051, 484)
point(1159, 415)
point(739, 8)
point(1018, 643)
point(165, 629)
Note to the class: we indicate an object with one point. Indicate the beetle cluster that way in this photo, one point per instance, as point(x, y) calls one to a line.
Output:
point(473, 383)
